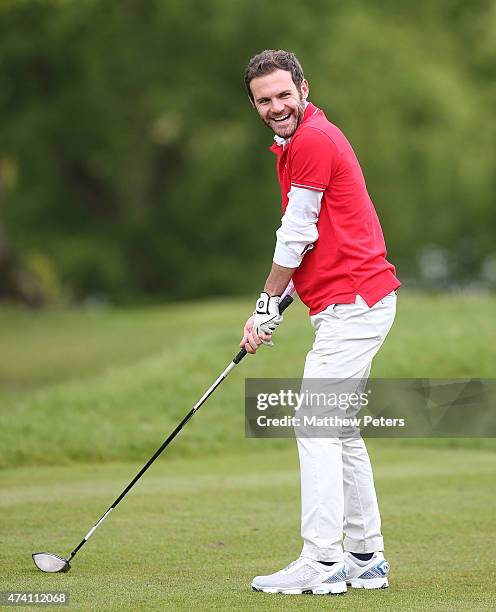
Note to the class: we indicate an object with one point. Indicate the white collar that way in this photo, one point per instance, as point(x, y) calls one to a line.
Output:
point(281, 141)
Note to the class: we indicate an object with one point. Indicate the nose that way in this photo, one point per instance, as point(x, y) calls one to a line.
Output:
point(276, 106)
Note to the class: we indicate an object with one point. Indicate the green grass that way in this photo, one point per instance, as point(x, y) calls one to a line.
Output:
point(193, 533)
point(87, 396)
point(107, 385)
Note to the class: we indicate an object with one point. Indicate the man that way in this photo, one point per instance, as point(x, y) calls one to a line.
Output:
point(330, 245)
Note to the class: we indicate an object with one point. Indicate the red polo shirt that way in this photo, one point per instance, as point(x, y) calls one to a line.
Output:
point(349, 257)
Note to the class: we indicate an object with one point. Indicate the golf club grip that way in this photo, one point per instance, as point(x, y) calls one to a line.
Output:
point(286, 301)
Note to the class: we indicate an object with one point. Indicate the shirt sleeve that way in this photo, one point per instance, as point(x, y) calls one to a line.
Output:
point(298, 229)
point(313, 159)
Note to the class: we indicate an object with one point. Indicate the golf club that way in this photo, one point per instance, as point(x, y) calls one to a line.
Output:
point(51, 563)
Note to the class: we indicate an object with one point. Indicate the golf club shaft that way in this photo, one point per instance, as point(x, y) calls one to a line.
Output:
point(285, 302)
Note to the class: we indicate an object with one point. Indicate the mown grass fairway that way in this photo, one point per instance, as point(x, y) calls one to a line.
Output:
point(194, 533)
point(86, 397)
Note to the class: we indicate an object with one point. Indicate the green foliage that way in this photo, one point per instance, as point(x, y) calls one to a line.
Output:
point(46, 282)
point(132, 160)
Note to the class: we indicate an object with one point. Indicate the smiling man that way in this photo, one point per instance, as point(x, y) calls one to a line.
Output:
point(330, 245)
point(280, 104)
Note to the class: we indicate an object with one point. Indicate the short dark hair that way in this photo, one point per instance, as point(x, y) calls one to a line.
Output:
point(268, 61)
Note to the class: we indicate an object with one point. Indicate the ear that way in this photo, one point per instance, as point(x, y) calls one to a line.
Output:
point(304, 89)
point(252, 103)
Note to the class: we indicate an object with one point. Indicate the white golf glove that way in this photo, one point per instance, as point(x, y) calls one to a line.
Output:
point(266, 316)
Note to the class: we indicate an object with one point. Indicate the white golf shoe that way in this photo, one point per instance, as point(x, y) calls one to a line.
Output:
point(305, 576)
point(367, 574)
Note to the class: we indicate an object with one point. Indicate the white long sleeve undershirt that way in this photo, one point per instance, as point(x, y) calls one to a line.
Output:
point(298, 230)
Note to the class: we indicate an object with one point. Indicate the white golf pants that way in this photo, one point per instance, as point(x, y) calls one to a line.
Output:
point(337, 485)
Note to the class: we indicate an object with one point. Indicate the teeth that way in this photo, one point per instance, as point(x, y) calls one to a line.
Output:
point(282, 118)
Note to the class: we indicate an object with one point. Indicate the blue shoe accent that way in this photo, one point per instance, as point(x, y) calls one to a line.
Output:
point(339, 577)
point(378, 571)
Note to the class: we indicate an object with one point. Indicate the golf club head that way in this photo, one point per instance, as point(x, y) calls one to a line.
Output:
point(50, 563)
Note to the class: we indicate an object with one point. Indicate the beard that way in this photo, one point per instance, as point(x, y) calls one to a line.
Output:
point(288, 128)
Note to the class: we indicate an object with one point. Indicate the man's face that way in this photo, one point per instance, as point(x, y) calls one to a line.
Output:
point(278, 102)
